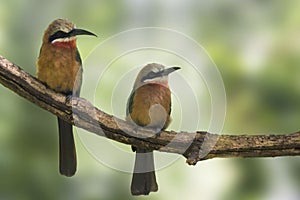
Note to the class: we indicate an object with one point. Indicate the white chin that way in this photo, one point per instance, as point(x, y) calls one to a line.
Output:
point(160, 80)
point(63, 40)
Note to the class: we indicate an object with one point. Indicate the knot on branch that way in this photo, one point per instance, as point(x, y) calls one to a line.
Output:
point(201, 147)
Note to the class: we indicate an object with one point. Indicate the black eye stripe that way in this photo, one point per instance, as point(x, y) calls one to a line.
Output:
point(58, 34)
point(152, 75)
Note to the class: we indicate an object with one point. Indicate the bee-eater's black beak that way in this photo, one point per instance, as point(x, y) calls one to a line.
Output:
point(165, 72)
point(75, 32)
point(169, 70)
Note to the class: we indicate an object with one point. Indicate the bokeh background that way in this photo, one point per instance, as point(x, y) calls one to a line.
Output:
point(256, 46)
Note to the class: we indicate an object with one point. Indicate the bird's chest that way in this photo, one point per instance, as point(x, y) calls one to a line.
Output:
point(60, 70)
point(151, 106)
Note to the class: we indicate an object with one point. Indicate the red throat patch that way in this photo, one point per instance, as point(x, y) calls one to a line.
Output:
point(68, 44)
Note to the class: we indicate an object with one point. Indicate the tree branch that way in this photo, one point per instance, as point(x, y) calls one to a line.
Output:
point(194, 146)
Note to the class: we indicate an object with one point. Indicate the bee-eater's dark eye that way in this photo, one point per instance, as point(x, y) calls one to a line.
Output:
point(57, 35)
point(151, 75)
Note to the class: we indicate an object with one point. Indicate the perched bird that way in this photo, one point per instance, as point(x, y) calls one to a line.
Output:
point(59, 67)
point(149, 105)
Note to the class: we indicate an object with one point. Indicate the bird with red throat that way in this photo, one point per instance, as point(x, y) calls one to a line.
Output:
point(59, 66)
point(149, 106)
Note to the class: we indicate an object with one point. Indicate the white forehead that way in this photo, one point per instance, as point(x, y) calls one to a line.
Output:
point(153, 67)
point(157, 68)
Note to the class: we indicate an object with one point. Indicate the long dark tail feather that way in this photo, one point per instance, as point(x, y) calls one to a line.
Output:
point(67, 152)
point(143, 179)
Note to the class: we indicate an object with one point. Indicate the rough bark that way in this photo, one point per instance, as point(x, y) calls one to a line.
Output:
point(194, 146)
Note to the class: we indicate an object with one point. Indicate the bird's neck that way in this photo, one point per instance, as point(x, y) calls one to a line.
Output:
point(154, 83)
point(160, 81)
point(65, 44)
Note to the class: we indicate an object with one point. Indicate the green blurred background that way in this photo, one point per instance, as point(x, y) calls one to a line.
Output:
point(256, 46)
